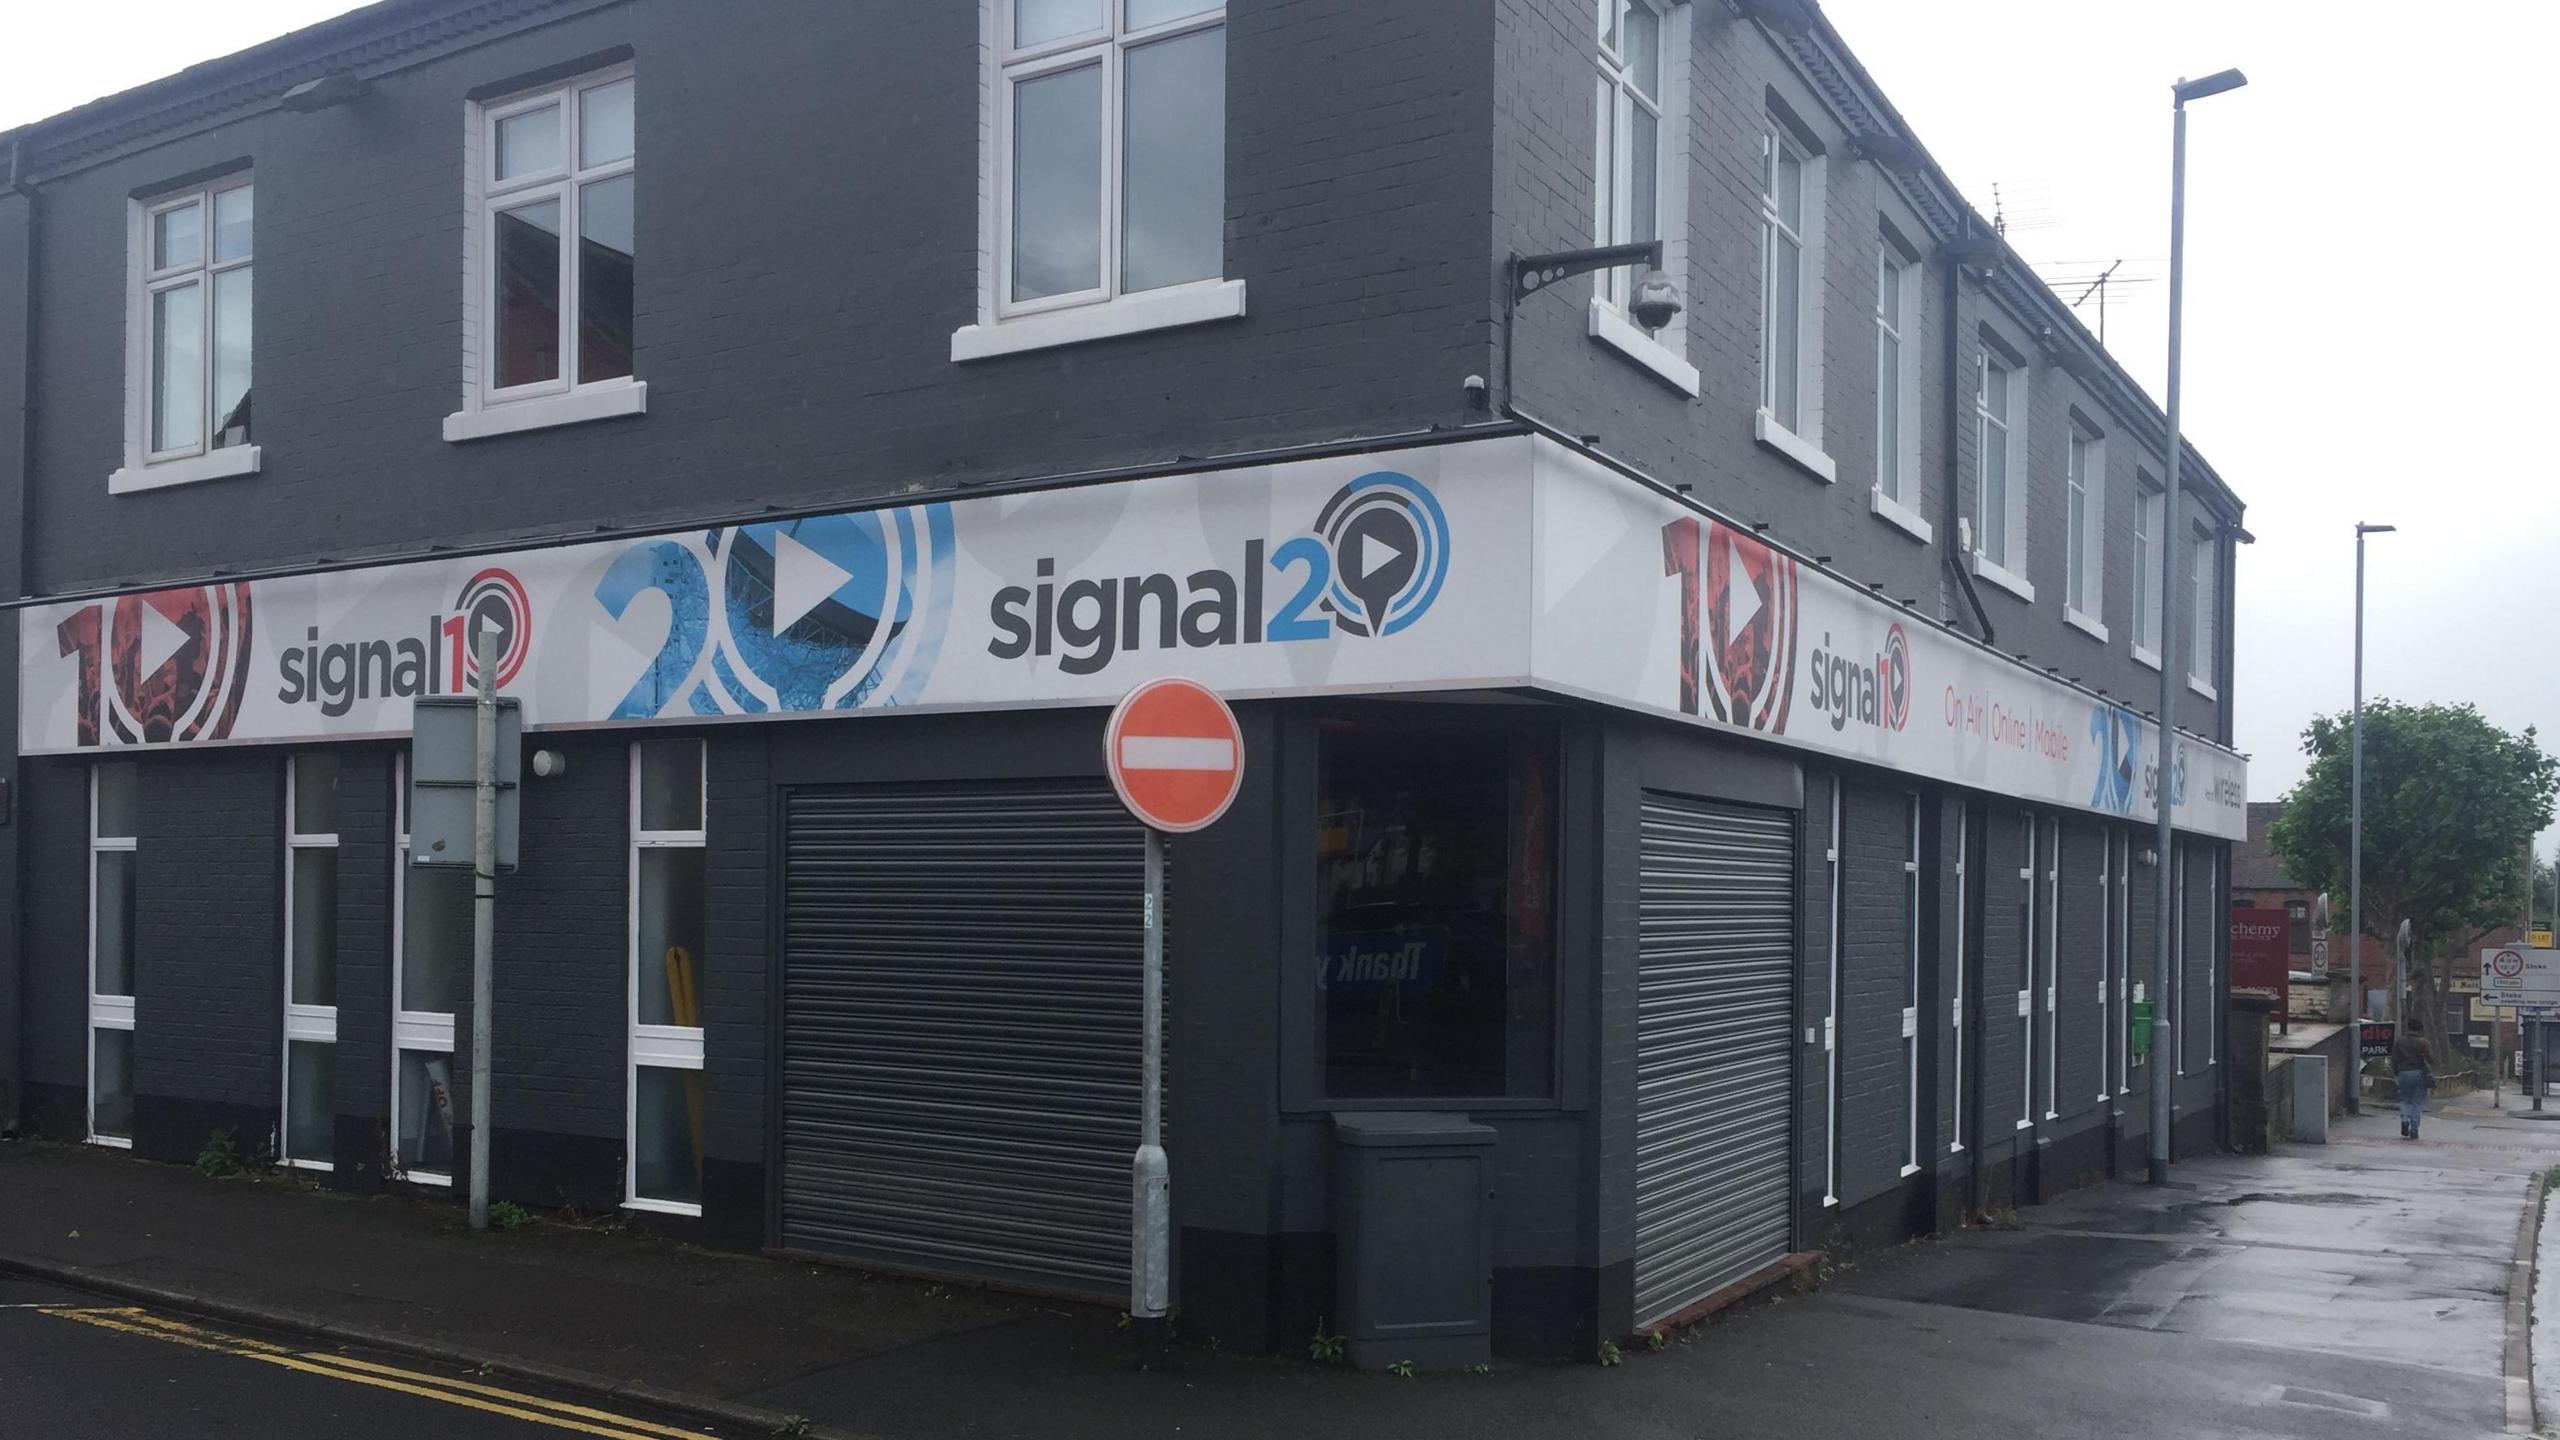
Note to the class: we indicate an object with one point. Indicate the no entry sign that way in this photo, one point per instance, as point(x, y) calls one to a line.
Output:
point(1175, 754)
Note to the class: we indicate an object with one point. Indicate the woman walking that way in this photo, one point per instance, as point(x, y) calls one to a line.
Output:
point(2415, 1068)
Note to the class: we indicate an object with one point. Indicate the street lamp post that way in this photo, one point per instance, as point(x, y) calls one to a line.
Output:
point(2163, 1023)
point(2355, 811)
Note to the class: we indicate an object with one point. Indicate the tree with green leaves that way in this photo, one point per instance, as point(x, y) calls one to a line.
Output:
point(2450, 803)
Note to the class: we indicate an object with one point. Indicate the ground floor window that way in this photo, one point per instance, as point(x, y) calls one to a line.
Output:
point(114, 847)
point(1435, 856)
point(431, 938)
point(664, 1119)
point(309, 1135)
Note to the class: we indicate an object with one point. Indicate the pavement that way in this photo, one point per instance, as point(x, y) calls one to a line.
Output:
point(2354, 1290)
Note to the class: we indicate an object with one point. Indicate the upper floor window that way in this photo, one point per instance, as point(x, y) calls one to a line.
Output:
point(2149, 525)
point(1782, 277)
point(1897, 386)
point(2000, 512)
point(1106, 182)
point(187, 363)
point(2201, 581)
point(2084, 524)
point(548, 313)
point(1637, 187)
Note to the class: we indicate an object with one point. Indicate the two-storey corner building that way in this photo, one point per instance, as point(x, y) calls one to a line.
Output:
point(1706, 764)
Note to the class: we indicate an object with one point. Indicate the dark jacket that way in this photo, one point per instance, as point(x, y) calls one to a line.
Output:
point(2410, 1052)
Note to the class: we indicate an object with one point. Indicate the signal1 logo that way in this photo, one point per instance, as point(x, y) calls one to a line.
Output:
point(1873, 691)
point(339, 674)
point(1371, 566)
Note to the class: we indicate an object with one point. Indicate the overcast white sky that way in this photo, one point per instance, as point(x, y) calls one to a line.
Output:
point(2368, 313)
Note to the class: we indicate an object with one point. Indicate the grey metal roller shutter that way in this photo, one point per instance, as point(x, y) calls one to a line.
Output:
point(1714, 1020)
point(961, 1030)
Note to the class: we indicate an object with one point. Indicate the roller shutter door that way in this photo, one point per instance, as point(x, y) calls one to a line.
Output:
point(961, 1031)
point(1714, 1075)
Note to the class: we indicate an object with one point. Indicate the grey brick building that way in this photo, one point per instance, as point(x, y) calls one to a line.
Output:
point(1714, 757)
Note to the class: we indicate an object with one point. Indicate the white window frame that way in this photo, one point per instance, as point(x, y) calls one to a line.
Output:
point(654, 1047)
point(424, 1032)
point(2008, 569)
point(145, 468)
point(2178, 946)
point(2107, 1042)
point(107, 1012)
point(487, 408)
point(1897, 487)
point(1831, 1013)
point(2124, 964)
point(2053, 969)
point(2204, 568)
point(1799, 441)
point(1911, 990)
point(1005, 326)
point(1964, 838)
point(1663, 352)
point(2084, 542)
point(306, 1024)
point(2150, 525)
point(2027, 978)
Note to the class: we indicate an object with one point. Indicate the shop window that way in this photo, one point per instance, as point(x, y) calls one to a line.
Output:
point(113, 846)
point(665, 1120)
point(1435, 854)
point(2026, 971)
point(431, 935)
point(311, 960)
point(1911, 985)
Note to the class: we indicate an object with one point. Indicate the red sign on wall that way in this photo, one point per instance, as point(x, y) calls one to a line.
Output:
point(2261, 950)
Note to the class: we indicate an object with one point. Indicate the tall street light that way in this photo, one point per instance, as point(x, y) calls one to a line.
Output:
point(2163, 1023)
point(2355, 802)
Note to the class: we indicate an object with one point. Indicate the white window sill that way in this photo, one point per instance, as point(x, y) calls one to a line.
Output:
point(1628, 338)
point(1164, 309)
point(1828, 1201)
point(2026, 1124)
point(605, 400)
point(1900, 516)
point(2002, 576)
point(2203, 688)
point(220, 464)
point(2143, 655)
point(323, 1166)
point(425, 1177)
point(2086, 623)
point(1910, 1170)
point(662, 1207)
point(1955, 1148)
point(1808, 456)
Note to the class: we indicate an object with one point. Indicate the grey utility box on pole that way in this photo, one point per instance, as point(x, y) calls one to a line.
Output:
point(1413, 1239)
point(442, 784)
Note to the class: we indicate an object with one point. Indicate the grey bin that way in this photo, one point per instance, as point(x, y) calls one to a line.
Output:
point(1413, 1239)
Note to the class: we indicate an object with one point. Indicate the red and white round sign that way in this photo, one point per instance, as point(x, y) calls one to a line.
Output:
point(2506, 964)
point(1175, 754)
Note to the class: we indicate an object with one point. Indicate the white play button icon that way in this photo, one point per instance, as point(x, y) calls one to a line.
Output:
point(1741, 601)
point(1374, 554)
point(803, 580)
point(160, 641)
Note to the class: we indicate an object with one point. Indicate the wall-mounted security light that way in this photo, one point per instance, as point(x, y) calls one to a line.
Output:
point(328, 90)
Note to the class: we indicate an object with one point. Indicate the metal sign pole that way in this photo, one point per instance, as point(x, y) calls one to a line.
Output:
point(1150, 1244)
point(484, 892)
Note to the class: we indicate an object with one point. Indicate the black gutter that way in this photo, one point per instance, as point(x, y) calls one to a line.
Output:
point(963, 490)
point(13, 1027)
point(21, 187)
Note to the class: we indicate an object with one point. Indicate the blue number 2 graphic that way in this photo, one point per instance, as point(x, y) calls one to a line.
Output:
point(675, 572)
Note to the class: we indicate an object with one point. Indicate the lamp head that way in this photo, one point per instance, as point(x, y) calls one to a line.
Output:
point(2210, 85)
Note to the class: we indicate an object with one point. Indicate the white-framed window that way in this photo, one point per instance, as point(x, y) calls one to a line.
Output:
point(1831, 1008)
point(2206, 549)
point(1782, 276)
point(2052, 968)
point(1911, 986)
point(2125, 993)
point(1103, 183)
point(663, 1119)
point(2177, 922)
point(1897, 384)
point(2108, 1040)
point(187, 409)
point(431, 946)
point(1955, 1010)
point(2026, 971)
point(550, 258)
point(2000, 482)
point(114, 848)
point(2150, 523)
point(308, 1137)
point(1640, 187)
point(2084, 545)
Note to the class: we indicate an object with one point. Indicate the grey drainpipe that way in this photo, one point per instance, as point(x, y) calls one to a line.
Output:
point(13, 1014)
point(1949, 549)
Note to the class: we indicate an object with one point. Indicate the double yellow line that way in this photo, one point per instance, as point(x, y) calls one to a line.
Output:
point(558, 1414)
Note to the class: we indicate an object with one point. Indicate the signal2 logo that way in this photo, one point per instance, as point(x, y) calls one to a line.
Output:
point(1371, 566)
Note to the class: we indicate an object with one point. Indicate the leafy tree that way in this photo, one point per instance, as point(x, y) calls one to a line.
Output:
point(2450, 802)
